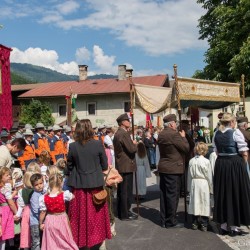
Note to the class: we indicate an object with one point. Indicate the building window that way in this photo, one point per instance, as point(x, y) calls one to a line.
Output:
point(62, 110)
point(126, 107)
point(224, 110)
point(91, 108)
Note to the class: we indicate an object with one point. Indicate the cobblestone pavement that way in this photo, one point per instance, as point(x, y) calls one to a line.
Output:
point(237, 242)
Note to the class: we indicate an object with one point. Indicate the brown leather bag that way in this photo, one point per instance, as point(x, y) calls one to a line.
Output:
point(101, 197)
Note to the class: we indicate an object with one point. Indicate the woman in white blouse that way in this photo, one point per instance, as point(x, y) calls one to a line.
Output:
point(231, 182)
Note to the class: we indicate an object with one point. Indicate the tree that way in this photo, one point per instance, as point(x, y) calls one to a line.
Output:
point(226, 26)
point(36, 111)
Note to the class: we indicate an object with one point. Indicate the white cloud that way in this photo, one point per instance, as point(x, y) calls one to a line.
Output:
point(104, 62)
point(82, 55)
point(44, 58)
point(68, 7)
point(158, 28)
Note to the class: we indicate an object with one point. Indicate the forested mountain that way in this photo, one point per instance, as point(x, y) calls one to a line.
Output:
point(28, 73)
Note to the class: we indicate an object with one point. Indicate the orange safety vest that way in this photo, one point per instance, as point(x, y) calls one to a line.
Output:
point(27, 156)
point(57, 149)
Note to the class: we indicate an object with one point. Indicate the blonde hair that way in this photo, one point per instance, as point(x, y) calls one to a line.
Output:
point(3, 171)
point(201, 148)
point(44, 158)
point(26, 179)
point(52, 170)
point(55, 180)
point(34, 168)
point(61, 164)
point(226, 119)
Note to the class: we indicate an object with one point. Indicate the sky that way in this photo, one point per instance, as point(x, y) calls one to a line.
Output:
point(148, 36)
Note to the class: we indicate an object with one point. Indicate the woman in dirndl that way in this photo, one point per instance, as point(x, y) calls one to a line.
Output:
point(86, 163)
point(231, 182)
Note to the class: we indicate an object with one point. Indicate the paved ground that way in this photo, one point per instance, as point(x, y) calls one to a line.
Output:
point(146, 234)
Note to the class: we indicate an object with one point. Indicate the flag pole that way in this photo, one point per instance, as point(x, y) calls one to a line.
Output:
point(69, 108)
point(180, 128)
point(133, 136)
point(243, 93)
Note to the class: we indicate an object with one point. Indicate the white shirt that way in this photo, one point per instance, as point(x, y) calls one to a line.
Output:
point(67, 196)
point(108, 141)
point(238, 137)
point(5, 157)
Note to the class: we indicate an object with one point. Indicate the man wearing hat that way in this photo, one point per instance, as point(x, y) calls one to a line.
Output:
point(57, 148)
point(242, 123)
point(40, 140)
point(28, 155)
point(19, 133)
point(125, 150)
point(4, 137)
point(173, 147)
point(13, 131)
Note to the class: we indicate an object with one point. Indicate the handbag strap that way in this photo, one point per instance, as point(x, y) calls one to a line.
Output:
point(106, 177)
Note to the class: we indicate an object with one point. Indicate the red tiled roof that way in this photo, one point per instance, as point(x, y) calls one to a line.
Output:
point(93, 86)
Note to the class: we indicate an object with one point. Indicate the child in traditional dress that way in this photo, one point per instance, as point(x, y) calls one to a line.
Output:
point(23, 203)
point(200, 186)
point(56, 230)
point(7, 208)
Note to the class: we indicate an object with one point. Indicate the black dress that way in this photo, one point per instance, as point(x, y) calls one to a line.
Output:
point(231, 183)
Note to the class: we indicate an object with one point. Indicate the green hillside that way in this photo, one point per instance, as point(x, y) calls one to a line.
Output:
point(23, 73)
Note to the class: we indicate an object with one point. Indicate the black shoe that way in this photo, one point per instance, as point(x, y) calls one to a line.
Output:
point(239, 232)
point(194, 226)
point(163, 225)
point(223, 231)
point(177, 225)
point(203, 228)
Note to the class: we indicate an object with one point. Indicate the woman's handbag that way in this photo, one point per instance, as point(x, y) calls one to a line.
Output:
point(100, 197)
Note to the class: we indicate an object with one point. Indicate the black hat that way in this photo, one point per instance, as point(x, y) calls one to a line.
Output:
point(13, 130)
point(21, 125)
point(169, 118)
point(242, 119)
point(122, 117)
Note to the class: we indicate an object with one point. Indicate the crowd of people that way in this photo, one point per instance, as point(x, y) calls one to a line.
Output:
point(57, 184)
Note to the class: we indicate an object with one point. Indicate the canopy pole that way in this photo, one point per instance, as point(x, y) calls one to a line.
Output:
point(69, 108)
point(180, 128)
point(133, 136)
point(243, 93)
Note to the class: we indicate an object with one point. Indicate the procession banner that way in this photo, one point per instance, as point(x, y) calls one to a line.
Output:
point(152, 99)
point(207, 94)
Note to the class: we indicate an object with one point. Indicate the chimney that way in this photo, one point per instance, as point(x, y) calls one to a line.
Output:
point(129, 73)
point(121, 72)
point(83, 72)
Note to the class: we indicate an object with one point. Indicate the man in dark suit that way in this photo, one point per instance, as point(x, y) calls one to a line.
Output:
point(125, 150)
point(173, 147)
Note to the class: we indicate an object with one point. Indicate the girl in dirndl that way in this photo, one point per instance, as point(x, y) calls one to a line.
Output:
point(7, 208)
point(56, 230)
point(23, 202)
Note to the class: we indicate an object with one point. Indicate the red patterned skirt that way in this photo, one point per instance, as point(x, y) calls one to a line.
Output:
point(90, 223)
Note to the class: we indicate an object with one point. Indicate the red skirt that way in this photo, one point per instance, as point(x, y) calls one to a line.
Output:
point(90, 223)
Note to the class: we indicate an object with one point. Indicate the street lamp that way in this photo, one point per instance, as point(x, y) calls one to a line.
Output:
point(232, 107)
